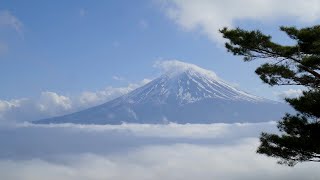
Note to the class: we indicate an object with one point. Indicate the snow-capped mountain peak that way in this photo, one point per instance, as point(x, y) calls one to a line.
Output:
point(185, 93)
point(184, 83)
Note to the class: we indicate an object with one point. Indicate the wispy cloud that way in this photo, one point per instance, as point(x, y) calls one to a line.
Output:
point(208, 16)
point(9, 20)
point(118, 78)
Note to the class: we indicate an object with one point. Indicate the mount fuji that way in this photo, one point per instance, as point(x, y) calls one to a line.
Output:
point(185, 93)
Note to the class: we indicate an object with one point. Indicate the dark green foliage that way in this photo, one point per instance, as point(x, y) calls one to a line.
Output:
point(298, 64)
point(308, 104)
point(299, 141)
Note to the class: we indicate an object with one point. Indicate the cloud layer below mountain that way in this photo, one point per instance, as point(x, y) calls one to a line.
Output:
point(133, 151)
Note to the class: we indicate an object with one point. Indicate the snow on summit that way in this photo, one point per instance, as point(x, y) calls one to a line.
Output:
point(175, 67)
point(184, 93)
point(191, 83)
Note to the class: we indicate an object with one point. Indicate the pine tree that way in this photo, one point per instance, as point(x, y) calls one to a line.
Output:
point(297, 64)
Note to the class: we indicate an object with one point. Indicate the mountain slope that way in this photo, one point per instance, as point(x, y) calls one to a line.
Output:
point(186, 95)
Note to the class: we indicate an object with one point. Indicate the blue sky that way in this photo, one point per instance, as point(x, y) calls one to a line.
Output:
point(71, 47)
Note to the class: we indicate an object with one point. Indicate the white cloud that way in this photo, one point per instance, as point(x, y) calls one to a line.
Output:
point(9, 20)
point(50, 104)
point(118, 78)
point(8, 108)
point(170, 130)
point(135, 152)
point(94, 98)
point(145, 81)
point(6, 105)
point(174, 162)
point(172, 67)
point(109, 93)
point(24, 109)
point(290, 93)
point(208, 16)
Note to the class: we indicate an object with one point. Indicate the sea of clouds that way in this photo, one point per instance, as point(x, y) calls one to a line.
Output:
point(140, 151)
